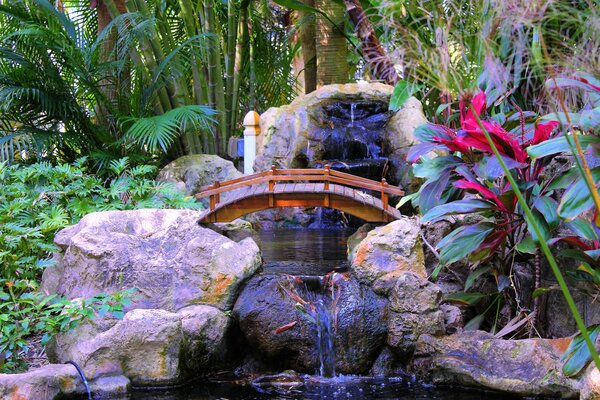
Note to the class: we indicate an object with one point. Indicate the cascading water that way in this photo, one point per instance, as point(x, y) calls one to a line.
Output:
point(354, 137)
point(317, 303)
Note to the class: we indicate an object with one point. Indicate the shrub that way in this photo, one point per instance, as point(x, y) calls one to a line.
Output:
point(35, 202)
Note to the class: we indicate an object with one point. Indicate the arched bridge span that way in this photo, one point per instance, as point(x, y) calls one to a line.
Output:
point(361, 197)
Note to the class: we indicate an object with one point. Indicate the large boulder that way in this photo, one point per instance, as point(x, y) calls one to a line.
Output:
point(356, 315)
point(414, 310)
point(299, 135)
point(150, 347)
point(165, 255)
point(388, 251)
point(191, 173)
point(529, 367)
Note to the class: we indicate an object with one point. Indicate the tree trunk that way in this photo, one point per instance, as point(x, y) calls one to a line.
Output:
point(332, 49)
point(374, 54)
point(309, 47)
point(110, 86)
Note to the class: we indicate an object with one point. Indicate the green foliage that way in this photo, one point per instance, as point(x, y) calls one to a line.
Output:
point(35, 202)
point(577, 356)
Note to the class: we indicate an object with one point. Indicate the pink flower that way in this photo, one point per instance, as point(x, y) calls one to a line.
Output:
point(543, 131)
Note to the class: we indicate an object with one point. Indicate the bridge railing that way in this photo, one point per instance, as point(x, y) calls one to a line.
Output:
point(274, 175)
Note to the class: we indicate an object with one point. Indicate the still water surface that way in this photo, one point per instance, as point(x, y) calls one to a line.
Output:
point(344, 388)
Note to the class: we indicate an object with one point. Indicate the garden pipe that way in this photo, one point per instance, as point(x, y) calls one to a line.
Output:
point(82, 375)
point(543, 245)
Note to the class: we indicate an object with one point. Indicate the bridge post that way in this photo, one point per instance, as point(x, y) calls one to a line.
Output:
point(384, 195)
point(327, 171)
point(251, 131)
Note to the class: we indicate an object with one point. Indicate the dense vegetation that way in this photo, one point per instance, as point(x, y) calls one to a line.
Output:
point(507, 86)
point(35, 202)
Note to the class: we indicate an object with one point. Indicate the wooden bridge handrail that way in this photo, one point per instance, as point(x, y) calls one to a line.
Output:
point(326, 175)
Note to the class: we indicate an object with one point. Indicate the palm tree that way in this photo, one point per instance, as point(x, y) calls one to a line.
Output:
point(166, 77)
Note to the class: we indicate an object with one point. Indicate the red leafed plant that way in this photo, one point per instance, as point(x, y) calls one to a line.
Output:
point(465, 178)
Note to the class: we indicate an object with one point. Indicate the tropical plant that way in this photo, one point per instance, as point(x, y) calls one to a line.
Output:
point(153, 79)
point(35, 202)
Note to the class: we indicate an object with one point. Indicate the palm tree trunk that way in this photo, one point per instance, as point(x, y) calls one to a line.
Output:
point(374, 54)
point(332, 48)
point(309, 48)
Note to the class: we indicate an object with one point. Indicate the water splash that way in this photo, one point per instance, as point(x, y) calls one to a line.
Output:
point(352, 108)
point(317, 302)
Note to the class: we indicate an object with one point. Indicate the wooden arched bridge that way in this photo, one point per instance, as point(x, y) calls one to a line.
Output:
point(300, 188)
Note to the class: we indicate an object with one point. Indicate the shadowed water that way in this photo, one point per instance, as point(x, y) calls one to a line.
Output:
point(321, 388)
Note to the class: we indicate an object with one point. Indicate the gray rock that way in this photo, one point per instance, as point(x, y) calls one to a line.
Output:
point(454, 320)
point(529, 367)
point(389, 250)
point(236, 230)
point(292, 135)
point(57, 381)
point(149, 347)
point(47, 382)
point(263, 307)
point(191, 173)
point(165, 255)
point(414, 310)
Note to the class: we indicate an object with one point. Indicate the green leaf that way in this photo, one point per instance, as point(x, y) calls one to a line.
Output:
point(402, 92)
point(457, 207)
point(577, 356)
point(576, 200)
point(527, 245)
point(540, 291)
point(436, 272)
point(475, 323)
point(463, 241)
point(469, 299)
point(547, 207)
point(476, 274)
point(559, 145)
point(583, 229)
point(541, 223)
point(406, 199)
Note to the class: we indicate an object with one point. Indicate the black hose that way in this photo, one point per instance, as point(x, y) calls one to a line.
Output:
point(82, 375)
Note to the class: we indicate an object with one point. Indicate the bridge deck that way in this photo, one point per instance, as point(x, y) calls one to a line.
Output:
point(300, 188)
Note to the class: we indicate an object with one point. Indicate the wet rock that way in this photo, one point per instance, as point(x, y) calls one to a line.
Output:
point(389, 250)
point(263, 309)
point(303, 133)
point(169, 259)
point(414, 310)
point(453, 318)
point(387, 364)
point(358, 236)
point(191, 173)
point(401, 127)
point(236, 230)
point(529, 367)
point(590, 389)
point(149, 347)
point(47, 382)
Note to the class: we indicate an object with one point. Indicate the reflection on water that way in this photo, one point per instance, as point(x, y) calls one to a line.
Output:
point(355, 388)
point(304, 251)
point(308, 245)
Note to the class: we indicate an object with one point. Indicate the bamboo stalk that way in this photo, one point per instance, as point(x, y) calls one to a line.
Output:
point(216, 80)
point(241, 48)
point(232, 25)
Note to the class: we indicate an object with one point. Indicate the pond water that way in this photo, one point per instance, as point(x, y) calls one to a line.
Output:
point(304, 251)
point(355, 388)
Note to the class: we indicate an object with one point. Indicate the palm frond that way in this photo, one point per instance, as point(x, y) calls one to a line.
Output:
point(160, 131)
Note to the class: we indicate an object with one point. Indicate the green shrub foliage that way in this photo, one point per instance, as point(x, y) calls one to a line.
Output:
point(35, 202)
